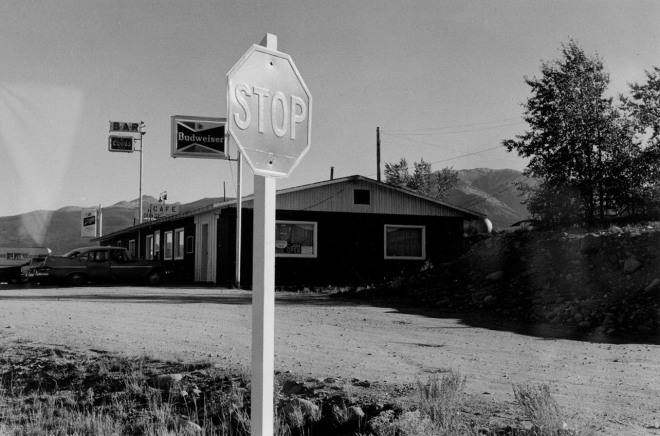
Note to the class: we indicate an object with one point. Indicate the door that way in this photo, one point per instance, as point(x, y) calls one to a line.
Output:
point(98, 266)
point(204, 264)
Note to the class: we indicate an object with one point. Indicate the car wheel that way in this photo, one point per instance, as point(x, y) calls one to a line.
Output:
point(77, 279)
point(154, 278)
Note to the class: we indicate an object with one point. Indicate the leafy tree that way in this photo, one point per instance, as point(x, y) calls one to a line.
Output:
point(642, 108)
point(397, 174)
point(578, 144)
point(445, 180)
point(423, 180)
point(643, 105)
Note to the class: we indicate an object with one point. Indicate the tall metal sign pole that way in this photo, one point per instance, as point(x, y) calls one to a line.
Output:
point(269, 112)
point(141, 150)
point(125, 143)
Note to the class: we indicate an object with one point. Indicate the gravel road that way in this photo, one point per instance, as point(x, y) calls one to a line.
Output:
point(615, 384)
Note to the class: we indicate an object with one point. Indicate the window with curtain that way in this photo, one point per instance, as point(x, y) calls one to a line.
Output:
point(405, 242)
point(295, 239)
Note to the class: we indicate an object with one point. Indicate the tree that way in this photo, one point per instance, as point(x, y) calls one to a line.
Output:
point(445, 180)
point(578, 142)
point(642, 108)
point(397, 174)
point(643, 105)
point(423, 180)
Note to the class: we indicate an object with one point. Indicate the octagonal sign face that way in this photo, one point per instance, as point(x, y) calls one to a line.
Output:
point(269, 111)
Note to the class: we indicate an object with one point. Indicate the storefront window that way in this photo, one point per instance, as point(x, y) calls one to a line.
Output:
point(157, 245)
point(168, 244)
point(295, 239)
point(150, 247)
point(178, 243)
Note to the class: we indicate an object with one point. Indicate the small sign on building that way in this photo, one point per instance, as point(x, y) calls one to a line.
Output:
point(120, 143)
point(146, 215)
point(199, 137)
point(125, 127)
point(160, 210)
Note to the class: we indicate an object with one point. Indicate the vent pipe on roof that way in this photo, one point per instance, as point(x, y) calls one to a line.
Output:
point(332, 173)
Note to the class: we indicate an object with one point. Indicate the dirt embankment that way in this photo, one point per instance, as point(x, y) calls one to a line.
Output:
point(604, 283)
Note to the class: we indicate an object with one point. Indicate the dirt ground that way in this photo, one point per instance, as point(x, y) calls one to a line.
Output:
point(614, 386)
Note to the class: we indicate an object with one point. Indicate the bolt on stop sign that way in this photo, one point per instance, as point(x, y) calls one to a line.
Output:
point(269, 111)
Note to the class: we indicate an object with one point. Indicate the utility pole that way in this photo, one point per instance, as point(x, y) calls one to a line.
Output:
point(378, 154)
point(99, 221)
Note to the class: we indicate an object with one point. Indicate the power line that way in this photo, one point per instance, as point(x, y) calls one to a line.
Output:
point(443, 147)
point(457, 131)
point(431, 130)
point(494, 192)
point(465, 155)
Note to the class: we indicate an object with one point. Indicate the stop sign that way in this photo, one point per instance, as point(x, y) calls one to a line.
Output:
point(269, 111)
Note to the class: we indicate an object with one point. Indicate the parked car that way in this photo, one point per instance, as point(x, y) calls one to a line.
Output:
point(14, 262)
point(97, 265)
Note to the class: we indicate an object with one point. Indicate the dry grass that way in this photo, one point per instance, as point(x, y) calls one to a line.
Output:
point(44, 393)
point(540, 408)
point(62, 395)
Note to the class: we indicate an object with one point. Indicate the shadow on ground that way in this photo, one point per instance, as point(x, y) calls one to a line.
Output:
point(546, 331)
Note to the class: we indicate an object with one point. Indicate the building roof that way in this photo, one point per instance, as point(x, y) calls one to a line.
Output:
point(332, 195)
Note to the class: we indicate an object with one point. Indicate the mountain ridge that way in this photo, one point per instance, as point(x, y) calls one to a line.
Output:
point(490, 192)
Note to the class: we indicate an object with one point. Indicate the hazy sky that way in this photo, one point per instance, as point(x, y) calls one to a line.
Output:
point(442, 79)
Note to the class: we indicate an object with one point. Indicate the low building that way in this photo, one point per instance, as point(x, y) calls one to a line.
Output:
point(346, 231)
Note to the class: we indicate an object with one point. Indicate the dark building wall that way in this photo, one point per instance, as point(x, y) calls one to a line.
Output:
point(350, 248)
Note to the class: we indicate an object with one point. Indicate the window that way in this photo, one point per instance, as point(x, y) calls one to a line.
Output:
point(118, 243)
point(405, 242)
point(361, 196)
point(190, 245)
point(167, 244)
point(131, 248)
point(178, 243)
point(98, 256)
point(157, 244)
point(295, 239)
point(118, 256)
point(150, 247)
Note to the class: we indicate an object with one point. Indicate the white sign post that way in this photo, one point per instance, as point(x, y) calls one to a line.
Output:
point(269, 116)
